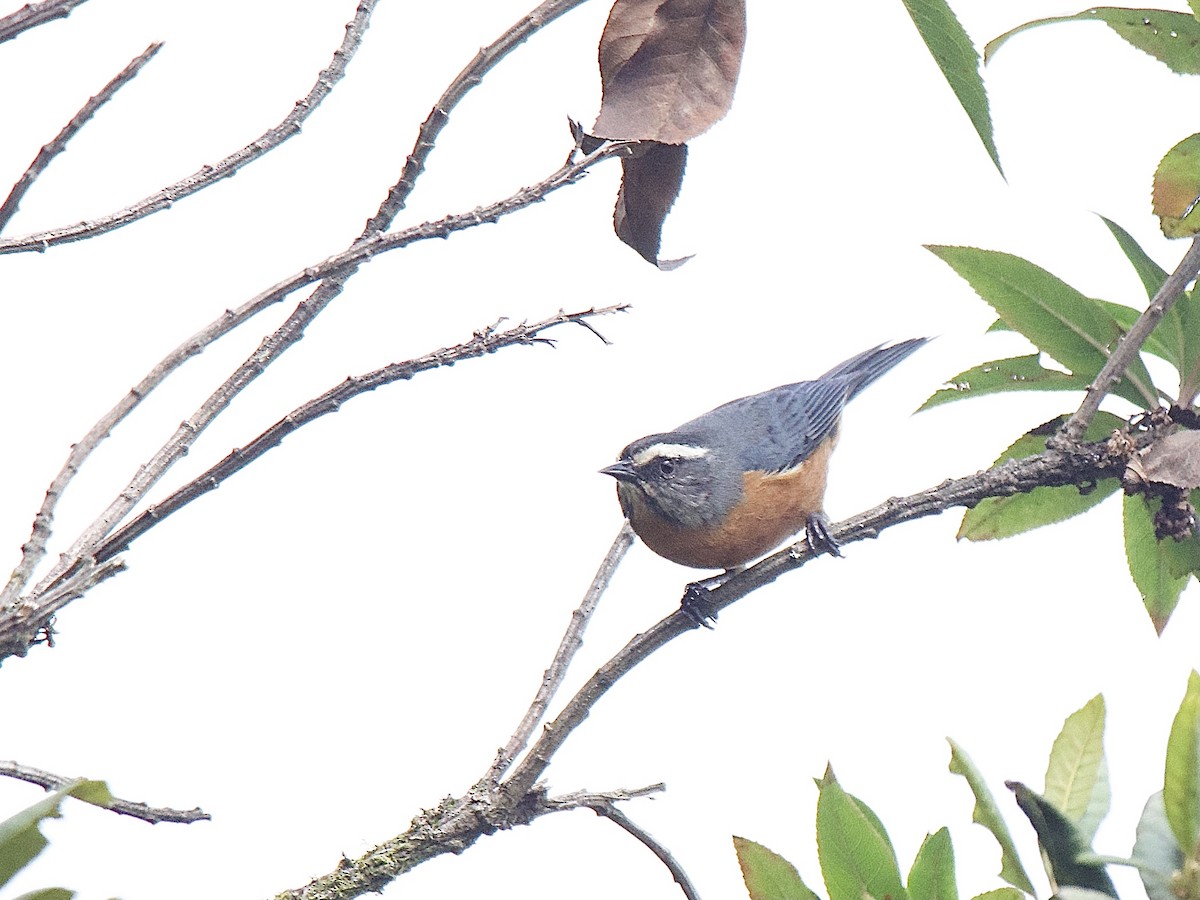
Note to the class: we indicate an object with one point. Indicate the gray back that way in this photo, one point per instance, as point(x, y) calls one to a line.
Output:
point(776, 430)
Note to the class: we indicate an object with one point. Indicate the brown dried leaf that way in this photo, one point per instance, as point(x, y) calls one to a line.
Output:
point(669, 67)
point(649, 185)
point(1174, 460)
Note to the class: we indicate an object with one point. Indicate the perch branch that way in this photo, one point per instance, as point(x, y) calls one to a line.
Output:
point(209, 175)
point(458, 822)
point(151, 814)
point(1128, 347)
point(59, 144)
point(1086, 464)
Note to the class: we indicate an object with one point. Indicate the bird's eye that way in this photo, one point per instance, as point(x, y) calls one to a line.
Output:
point(666, 467)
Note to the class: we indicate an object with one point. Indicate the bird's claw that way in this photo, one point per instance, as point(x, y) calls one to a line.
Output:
point(695, 606)
point(819, 536)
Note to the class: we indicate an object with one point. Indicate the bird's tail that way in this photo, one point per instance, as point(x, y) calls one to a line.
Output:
point(860, 371)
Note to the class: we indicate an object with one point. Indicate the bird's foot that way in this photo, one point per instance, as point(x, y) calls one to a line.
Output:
point(819, 536)
point(695, 604)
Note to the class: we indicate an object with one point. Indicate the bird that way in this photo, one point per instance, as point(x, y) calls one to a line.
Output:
point(733, 484)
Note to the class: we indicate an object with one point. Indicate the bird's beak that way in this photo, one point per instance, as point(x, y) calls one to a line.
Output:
point(622, 470)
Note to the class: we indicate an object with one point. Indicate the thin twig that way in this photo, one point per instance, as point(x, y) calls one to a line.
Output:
point(482, 344)
point(1166, 297)
point(610, 812)
point(591, 799)
point(271, 348)
point(51, 782)
point(32, 15)
point(471, 75)
point(571, 641)
point(209, 175)
point(34, 550)
point(59, 144)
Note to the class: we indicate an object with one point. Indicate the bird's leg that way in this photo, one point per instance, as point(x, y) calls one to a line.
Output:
point(694, 604)
point(816, 527)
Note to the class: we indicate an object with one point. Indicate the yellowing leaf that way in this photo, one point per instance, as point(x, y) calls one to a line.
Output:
point(1177, 189)
point(768, 875)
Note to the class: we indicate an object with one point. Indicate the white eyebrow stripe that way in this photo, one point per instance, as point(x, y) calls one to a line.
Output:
point(672, 451)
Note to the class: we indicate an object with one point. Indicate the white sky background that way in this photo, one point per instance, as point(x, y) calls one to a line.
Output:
point(344, 633)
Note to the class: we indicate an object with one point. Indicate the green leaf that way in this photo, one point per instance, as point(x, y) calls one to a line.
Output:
point(1061, 845)
point(48, 894)
point(956, 56)
point(1151, 273)
point(1181, 782)
point(1172, 38)
point(1165, 341)
point(1195, 5)
point(987, 814)
point(1001, 517)
point(1187, 310)
point(768, 875)
point(830, 778)
point(1156, 851)
point(1160, 569)
point(1077, 773)
point(1170, 338)
point(20, 838)
point(1060, 321)
point(932, 874)
point(1176, 194)
point(1159, 342)
point(94, 792)
point(1021, 373)
point(856, 857)
point(1004, 893)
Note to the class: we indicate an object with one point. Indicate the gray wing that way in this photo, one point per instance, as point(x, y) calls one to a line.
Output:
point(780, 428)
point(775, 430)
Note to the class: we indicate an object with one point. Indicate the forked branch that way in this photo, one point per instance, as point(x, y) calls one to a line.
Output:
point(209, 175)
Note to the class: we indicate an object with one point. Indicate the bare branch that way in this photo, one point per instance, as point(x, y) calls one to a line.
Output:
point(151, 814)
point(451, 827)
point(59, 144)
point(338, 266)
point(483, 343)
point(209, 175)
point(1166, 297)
point(571, 641)
point(610, 811)
point(22, 621)
point(485, 60)
point(592, 799)
point(1086, 464)
point(32, 15)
